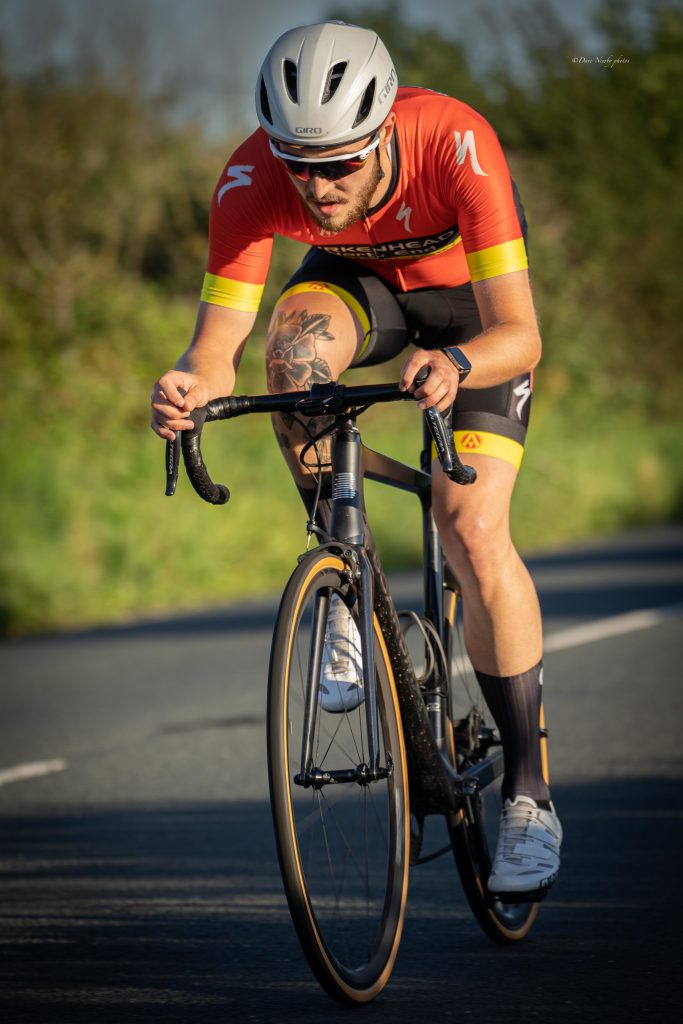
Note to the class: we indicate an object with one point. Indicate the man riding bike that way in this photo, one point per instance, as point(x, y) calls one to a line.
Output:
point(416, 232)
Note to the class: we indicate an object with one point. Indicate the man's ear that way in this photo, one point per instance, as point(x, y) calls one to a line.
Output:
point(387, 129)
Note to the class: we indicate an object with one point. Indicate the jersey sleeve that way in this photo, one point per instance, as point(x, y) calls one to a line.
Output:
point(476, 180)
point(240, 236)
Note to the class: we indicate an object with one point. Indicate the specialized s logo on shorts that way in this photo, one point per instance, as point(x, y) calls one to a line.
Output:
point(523, 393)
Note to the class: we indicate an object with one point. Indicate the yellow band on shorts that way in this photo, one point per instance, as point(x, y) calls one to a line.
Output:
point(481, 442)
point(347, 298)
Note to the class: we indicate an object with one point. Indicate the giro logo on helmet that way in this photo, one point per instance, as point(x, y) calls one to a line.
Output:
point(308, 131)
point(390, 82)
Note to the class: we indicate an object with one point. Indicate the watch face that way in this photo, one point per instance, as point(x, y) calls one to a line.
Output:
point(461, 361)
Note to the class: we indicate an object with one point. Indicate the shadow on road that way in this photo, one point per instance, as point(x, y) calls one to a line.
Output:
point(177, 913)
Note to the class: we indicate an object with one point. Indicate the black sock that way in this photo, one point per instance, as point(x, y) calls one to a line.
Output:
point(515, 703)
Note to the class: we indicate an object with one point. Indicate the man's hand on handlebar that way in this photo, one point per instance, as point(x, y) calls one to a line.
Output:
point(170, 408)
point(440, 387)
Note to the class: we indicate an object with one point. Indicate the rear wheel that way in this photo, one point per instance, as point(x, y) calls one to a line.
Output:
point(473, 746)
point(342, 845)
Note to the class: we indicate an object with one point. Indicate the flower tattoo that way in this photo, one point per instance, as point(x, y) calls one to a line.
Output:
point(294, 363)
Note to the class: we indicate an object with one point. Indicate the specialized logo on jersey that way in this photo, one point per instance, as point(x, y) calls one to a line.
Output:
point(465, 144)
point(402, 247)
point(404, 215)
point(241, 173)
point(470, 441)
point(523, 392)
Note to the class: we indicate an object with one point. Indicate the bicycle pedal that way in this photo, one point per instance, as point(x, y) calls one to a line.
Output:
point(536, 896)
point(515, 898)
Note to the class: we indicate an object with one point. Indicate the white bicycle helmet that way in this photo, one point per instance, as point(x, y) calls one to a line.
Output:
point(325, 85)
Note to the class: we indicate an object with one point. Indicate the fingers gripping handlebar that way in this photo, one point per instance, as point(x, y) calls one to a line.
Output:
point(333, 398)
point(189, 442)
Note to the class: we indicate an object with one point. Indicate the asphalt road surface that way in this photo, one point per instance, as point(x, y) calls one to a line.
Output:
point(139, 876)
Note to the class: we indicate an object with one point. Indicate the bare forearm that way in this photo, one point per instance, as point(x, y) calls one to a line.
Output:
point(508, 346)
point(510, 342)
point(209, 359)
point(216, 347)
point(206, 370)
point(501, 353)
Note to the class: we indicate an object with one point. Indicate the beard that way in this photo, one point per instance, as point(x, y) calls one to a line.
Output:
point(355, 208)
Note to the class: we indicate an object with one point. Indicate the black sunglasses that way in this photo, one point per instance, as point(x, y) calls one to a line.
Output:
point(331, 168)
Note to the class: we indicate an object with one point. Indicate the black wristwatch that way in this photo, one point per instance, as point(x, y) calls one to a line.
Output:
point(459, 360)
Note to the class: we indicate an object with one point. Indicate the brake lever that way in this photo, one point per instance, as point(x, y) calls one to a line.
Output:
point(172, 464)
point(173, 460)
point(442, 436)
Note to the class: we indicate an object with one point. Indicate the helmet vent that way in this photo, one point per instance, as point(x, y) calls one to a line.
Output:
point(265, 105)
point(291, 80)
point(365, 104)
point(334, 80)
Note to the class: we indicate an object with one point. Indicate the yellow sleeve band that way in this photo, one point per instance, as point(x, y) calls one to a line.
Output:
point(224, 291)
point(497, 259)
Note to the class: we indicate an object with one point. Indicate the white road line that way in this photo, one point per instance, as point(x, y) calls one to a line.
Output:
point(599, 629)
point(602, 629)
point(30, 770)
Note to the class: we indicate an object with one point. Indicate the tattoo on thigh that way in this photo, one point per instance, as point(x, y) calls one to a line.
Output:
point(282, 440)
point(294, 362)
point(292, 436)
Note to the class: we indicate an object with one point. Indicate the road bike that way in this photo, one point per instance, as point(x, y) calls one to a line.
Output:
point(350, 791)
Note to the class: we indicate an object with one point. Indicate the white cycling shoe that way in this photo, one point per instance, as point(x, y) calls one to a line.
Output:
point(341, 675)
point(527, 859)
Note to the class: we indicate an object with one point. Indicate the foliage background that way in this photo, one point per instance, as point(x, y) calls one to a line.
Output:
point(103, 212)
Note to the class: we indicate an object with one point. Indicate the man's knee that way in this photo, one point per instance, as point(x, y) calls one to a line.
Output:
point(475, 532)
point(312, 339)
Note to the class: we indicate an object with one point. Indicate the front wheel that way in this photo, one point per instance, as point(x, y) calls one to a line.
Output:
point(342, 840)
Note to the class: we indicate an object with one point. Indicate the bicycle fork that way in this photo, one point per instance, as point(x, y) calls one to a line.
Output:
point(348, 530)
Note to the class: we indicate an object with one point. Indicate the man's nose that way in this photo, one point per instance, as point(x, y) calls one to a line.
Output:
point(318, 186)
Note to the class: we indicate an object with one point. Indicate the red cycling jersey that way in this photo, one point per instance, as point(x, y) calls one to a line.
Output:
point(448, 215)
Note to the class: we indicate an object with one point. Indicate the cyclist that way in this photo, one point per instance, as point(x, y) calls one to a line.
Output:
point(417, 234)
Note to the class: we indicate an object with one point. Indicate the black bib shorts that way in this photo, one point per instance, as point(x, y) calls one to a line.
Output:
point(486, 421)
